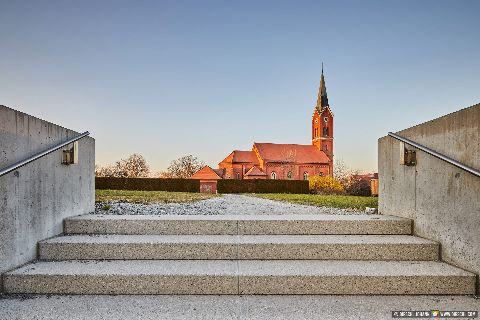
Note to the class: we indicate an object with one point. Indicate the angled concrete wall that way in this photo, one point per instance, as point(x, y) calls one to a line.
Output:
point(36, 198)
point(443, 200)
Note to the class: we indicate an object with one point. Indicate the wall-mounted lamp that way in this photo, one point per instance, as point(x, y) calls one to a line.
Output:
point(407, 157)
point(70, 154)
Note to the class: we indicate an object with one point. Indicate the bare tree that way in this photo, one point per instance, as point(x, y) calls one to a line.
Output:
point(345, 175)
point(342, 172)
point(134, 166)
point(106, 171)
point(184, 167)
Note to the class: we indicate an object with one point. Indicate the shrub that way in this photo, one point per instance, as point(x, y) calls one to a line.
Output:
point(359, 188)
point(262, 186)
point(325, 185)
point(147, 184)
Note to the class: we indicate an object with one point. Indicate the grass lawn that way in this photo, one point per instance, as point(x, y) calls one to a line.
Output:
point(344, 202)
point(149, 196)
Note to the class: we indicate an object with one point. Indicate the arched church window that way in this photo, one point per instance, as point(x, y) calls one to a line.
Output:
point(237, 175)
point(325, 132)
point(273, 175)
point(305, 176)
point(289, 175)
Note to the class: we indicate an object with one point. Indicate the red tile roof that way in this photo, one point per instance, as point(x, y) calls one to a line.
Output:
point(290, 153)
point(255, 171)
point(220, 172)
point(239, 156)
point(206, 173)
point(244, 156)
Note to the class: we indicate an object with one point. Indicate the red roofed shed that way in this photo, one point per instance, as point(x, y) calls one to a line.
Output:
point(208, 179)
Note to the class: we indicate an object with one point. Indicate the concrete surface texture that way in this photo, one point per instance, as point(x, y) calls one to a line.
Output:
point(243, 247)
point(36, 198)
point(323, 263)
point(238, 224)
point(239, 277)
point(443, 200)
point(223, 307)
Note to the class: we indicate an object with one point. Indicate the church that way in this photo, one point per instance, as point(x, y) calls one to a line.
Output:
point(283, 161)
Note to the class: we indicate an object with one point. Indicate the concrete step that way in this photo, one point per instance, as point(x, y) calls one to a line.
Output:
point(245, 247)
point(239, 277)
point(237, 224)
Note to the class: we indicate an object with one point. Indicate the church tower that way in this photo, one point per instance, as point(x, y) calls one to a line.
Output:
point(322, 121)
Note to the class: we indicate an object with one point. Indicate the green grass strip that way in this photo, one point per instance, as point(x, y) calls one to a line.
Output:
point(343, 202)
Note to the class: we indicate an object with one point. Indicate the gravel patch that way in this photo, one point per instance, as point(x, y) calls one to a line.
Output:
point(226, 204)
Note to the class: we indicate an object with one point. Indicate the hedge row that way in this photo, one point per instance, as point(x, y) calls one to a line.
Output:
point(262, 186)
point(192, 185)
point(148, 184)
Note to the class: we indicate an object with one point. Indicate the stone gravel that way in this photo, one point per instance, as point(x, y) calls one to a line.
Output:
point(226, 204)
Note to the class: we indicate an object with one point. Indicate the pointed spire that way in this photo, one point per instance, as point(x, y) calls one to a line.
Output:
point(322, 99)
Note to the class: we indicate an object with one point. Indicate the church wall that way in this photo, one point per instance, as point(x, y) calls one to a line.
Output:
point(227, 166)
point(281, 171)
point(297, 170)
point(241, 169)
point(312, 170)
point(231, 169)
point(256, 178)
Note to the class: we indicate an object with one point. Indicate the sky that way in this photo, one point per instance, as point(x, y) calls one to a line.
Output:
point(171, 78)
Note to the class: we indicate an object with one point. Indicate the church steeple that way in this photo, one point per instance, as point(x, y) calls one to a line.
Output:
point(322, 99)
point(322, 122)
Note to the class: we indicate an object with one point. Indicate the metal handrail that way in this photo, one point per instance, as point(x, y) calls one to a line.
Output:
point(436, 154)
point(19, 164)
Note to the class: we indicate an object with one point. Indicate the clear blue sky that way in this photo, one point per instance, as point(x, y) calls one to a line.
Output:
point(170, 78)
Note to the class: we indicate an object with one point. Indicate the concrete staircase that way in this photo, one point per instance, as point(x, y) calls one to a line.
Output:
point(287, 254)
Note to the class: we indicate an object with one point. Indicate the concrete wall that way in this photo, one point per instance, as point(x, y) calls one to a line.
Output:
point(36, 198)
point(443, 200)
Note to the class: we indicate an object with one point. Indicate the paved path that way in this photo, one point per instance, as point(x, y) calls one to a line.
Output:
point(223, 307)
point(227, 204)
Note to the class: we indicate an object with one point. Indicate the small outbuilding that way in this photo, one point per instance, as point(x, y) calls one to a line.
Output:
point(208, 179)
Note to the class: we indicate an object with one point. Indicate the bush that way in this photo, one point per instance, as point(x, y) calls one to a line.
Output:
point(359, 188)
point(325, 185)
point(147, 184)
point(262, 186)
